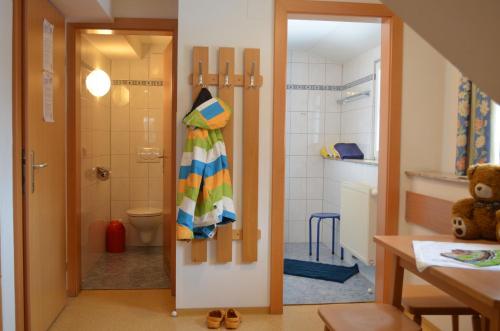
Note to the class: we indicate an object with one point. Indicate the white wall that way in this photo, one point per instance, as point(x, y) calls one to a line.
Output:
point(6, 187)
point(239, 24)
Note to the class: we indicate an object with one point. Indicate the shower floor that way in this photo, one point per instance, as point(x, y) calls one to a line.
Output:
point(137, 268)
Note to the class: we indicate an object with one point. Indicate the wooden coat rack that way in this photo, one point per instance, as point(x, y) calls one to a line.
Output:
point(226, 80)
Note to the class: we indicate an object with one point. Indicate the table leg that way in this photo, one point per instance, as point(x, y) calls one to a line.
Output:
point(310, 235)
point(397, 277)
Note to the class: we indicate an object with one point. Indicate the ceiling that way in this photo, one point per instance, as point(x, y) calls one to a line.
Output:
point(338, 41)
point(117, 46)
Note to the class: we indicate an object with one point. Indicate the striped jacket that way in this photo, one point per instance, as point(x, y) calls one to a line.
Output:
point(204, 197)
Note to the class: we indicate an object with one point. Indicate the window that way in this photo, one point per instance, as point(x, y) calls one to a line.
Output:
point(495, 134)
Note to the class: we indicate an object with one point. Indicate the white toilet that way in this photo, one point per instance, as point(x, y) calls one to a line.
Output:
point(146, 220)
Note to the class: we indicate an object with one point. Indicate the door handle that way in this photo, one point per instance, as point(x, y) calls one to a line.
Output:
point(35, 166)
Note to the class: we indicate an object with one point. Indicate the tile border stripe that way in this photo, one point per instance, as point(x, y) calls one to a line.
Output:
point(331, 87)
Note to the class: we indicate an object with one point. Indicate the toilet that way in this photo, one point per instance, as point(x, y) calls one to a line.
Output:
point(146, 220)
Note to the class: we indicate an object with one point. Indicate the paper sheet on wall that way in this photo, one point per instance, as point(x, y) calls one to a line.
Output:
point(48, 97)
point(48, 46)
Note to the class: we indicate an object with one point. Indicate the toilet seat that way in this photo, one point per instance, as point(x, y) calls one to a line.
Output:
point(144, 212)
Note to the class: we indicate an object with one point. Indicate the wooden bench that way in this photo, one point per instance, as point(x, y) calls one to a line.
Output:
point(364, 317)
point(427, 300)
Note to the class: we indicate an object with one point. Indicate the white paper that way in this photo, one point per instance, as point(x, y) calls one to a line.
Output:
point(48, 41)
point(48, 97)
point(428, 253)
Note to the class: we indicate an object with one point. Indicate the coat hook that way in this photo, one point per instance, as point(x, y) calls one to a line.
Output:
point(226, 77)
point(200, 74)
point(252, 75)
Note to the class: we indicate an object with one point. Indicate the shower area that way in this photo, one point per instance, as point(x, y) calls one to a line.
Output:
point(125, 88)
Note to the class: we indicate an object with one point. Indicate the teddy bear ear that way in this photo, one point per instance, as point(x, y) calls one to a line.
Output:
point(471, 170)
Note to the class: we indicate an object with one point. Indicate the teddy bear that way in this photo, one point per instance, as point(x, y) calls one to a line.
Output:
point(479, 217)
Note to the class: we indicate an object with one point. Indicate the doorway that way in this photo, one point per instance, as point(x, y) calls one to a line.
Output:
point(123, 185)
point(389, 136)
point(330, 205)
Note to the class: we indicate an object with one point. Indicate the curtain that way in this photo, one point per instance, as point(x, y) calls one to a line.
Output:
point(474, 126)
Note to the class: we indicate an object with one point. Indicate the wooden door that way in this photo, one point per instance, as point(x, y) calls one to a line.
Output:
point(169, 180)
point(45, 173)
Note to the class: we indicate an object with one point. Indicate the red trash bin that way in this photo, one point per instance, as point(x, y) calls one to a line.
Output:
point(115, 237)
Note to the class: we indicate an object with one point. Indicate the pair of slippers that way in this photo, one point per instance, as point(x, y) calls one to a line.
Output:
point(231, 319)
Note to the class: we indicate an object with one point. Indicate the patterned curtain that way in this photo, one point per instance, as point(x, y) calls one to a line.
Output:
point(474, 127)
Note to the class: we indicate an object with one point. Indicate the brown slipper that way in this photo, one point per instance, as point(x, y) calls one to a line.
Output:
point(233, 319)
point(215, 318)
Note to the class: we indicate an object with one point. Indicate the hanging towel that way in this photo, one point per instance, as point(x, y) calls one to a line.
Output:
point(205, 194)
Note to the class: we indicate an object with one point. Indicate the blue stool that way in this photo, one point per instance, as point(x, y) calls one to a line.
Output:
point(322, 216)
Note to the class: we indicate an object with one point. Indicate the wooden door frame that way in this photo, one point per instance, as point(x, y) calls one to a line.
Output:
point(390, 130)
point(129, 25)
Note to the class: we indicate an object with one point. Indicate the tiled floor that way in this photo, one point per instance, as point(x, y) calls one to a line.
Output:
point(137, 268)
point(300, 290)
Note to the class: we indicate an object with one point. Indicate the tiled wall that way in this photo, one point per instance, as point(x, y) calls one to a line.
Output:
point(312, 119)
point(315, 119)
point(95, 151)
point(136, 121)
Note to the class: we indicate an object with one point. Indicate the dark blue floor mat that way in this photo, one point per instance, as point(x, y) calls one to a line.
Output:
point(330, 272)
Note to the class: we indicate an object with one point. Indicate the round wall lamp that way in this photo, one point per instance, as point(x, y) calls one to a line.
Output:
point(98, 83)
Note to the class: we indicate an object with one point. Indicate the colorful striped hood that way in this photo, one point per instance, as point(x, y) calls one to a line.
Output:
point(204, 197)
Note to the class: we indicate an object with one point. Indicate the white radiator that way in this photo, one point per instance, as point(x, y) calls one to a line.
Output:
point(358, 220)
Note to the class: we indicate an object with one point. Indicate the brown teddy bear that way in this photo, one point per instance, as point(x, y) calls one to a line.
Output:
point(479, 217)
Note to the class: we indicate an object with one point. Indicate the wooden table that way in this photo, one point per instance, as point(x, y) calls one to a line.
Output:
point(479, 289)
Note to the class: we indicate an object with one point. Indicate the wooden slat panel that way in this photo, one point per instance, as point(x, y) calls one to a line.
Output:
point(200, 54)
point(250, 209)
point(429, 212)
point(224, 247)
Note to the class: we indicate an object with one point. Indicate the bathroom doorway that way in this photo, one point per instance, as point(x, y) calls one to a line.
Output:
point(332, 102)
point(124, 138)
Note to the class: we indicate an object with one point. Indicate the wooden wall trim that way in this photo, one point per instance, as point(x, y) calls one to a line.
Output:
point(17, 125)
point(389, 168)
point(429, 212)
point(390, 147)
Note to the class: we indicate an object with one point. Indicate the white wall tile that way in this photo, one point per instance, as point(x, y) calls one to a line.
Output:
point(120, 189)
point(156, 66)
point(298, 122)
point(315, 188)
point(299, 56)
point(137, 169)
point(298, 144)
point(316, 101)
point(155, 97)
point(120, 142)
point(332, 123)
point(333, 74)
point(155, 120)
point(298, 232)
point(331, 104)
point(298, 100)
point(315, 123)
point(139, 119)
point(300, 73)
point(297, 210)
point(298, 166)
point(298, 188)
point(138, 189)
point(120, 166)
point(316, 74)
point(120, 119)
point(314, 143)
point(139, 69)
point(120, 69)
point(139, 97)
point(315, 166)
